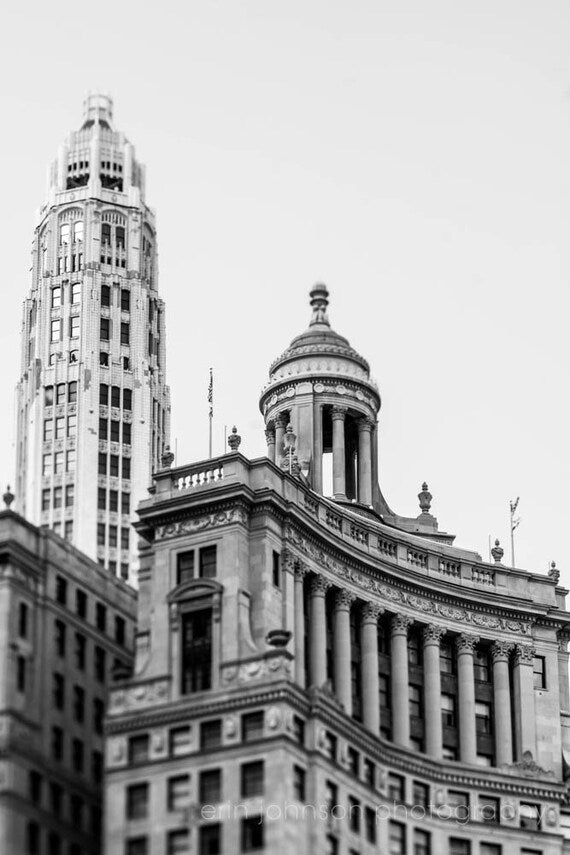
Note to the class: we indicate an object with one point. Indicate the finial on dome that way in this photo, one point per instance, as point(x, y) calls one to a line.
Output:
point(497, 552)
point(319, 301)
point(8, 497)
point(425, 498)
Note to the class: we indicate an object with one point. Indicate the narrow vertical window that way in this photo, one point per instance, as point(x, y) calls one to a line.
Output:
point(196, 651)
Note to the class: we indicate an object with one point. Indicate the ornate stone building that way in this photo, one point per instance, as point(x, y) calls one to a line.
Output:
point(66, 624)
point(318, 674)
point(93, 408)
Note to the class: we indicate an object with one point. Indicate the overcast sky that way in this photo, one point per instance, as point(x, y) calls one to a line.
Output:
point(414, 156)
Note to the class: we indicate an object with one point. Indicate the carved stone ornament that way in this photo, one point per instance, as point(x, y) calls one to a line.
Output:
point(135, 697)
point(466, 643)
point(319, 586)
point(274, 718)
point(339, 413)
point(301, 570)
point(501, 650)
point(230, 726)
point(191, 526)
point(343, 600)
point(276, 666)
point(525, 653)
point(433, 633)
point(400, 624)
point(397, 597)
point(371, 612)
point(527, 768)
point(554, 573)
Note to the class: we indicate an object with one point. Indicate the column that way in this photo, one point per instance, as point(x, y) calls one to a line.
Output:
point(270, 437)
point(523, 689)
point(432, 690)
point(563, 686)
point(280, 425)
point(364, 461)
point(369, 653)
point(318, 632)
point(466, 690)
point(339, 459)
point(317, 462)
point(342, 653)
point(400, 680)
point(300, 573)
point(500, 651)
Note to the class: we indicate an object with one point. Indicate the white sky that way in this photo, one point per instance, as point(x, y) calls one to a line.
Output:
point(412, 155)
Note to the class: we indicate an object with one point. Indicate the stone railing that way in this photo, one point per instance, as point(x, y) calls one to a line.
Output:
point(200, 477)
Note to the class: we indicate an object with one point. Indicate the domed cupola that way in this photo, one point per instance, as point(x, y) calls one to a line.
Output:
point(322, 388)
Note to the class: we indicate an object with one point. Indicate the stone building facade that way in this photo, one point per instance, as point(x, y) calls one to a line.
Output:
point(66, 624)
point(318, 674)
point(93, 408)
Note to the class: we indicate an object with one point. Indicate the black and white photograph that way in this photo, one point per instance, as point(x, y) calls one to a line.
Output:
point(284, 470)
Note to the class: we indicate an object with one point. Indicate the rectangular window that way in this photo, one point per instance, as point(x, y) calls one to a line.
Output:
point(100, 664)
point(137, 846)
point(35, 787)
point(420, 794)
point(56, 330)
point(448, 716)
point(125, 300)
point(76, 292)
point(421, 842)
point(483, 718)
point(80, 645)
point(115, 396)
point(103, 429)
point(70, 461)
point(396, 838)
point(114, 430)
point(252, 726)
point(98, 715)
point(369, 772)
point(210, 839)
point(210, 734)
point(114, 465)
point(539, 671)
point(60, 427)
point(102, 463)
point(299, 783)
point(124, 333)
point(61, 590)
point(105, 295)
point(21, 673)
point(396, 785)
point(69, 495)
point(415, 695)
point(60, 390)
point(81, 603)
point(126, 470)
point(102, 502)
point(48, 396)
point(103, 394)
point(127, 399)
point(46, 497)
point(482, 666)
point(196, 651)
point(71, 425)
point(489, 809)
point(137, 801)
point(101, 533)
point(208, 562)
point(120, 630)
point(58, 690)
point(56, 297)
point(79, 704)
point(354, 814)
point(101, 617)
point(58, 463)
point(126, 433)
point(59, 627)
point(276, 569)
point(252, 834)
point(72, 392)
point(57, 743)
point(457, 799)
point(252, 779)
point(125, 503)
point(105, 329)
point(48, 430)
point(178, 843)
point(139, 748)
point(105, 233)
point(74, 326)
point(178, 792)
point(179, 741)
point(184, 567)
point(370, 825)
point(112, 535)
point(125, 535)
point(459, 846)
point(23, 620)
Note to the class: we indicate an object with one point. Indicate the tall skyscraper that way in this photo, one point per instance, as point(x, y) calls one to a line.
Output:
point(316, 674)
point(93, 407)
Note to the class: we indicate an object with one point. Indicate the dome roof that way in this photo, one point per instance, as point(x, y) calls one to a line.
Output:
point(319, 338)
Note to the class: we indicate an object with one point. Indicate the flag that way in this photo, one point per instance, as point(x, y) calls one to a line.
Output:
point(211, 392)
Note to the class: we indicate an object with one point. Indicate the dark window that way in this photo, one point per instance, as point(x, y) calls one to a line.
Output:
point(81, 603)
point(252, 726)
point(208, 562)
point(178, 792)
point(210, 786)
point(105, 329)
point(126, 467)
point(137, 801)
point(33, 838)
point(125, 503)
point(102, 463)
point(120, 629)
point(54, 843)
point(369, 772)
point(113, 500)
point(35, 787)
point(420, 796)
point(421, 842)
point(299, 729)
point(139, 748)
point(104, 358)
point(353, 761)
point(529, 815)
point(539, 670)
point(396, 838)
point(21, 674)
point(370, 824)
point(112, 535)
point(115, 396)
point(61, 590)
point(447, 658)
point(115, 428)
point(396, 786)
point(459, 846)
point(125, 535)
point(58, 691)
point(178, 843)
point(483, 717)
point(448, 716)
point(72, 392)
point(77, 805)
point(124, 333)
point(210, 839)
point(105, 233)
point(103, 429)
point(196, 651)
point(330, 745)
point(114, 466)
point(127, 399)
point(78, 704)
point(23, 620)
point(415, 694)
point(414, 650)
point(103, 394)
point(489, 809)
point(60, 637)
point(354, 814)
point(276, 569)
point(299, 783)
point(97, 766)
point(101, 617)
point(69, 495)
point(252, 836)
point(482, 666)
point(184, 567)
point(126, 433)
point(101, 534)
point(60, 393)
point(210, 734)
point(100, 664)
point(105, 295)
point(252, 779)
point(98, 715)
point(77, 752)
point(57, 743)
point(125, 300)
point(48, 396)
point(136, 846)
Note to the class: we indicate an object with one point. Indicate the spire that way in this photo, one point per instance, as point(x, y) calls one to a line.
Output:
point(98, 109)
point(319, 302)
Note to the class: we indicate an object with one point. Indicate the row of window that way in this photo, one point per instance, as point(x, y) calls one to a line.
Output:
point(110, 535)
point(105, 330)
point(124, 301)
point(57, 497)
point(109, 465)
point(112, 396)
point(77, 752)
point(54, 843)
point(109, 500)
point(52, 797)
point(104, 360)
point(204, 558)
point(70, 264)
point(74, 328)
point(252, 839)
point(58, 462)
point(58, 294)
point(60, 427)
point(60, 394)
point(112, 430)
point(59, 695)
point(65, 233)
point(81, 610)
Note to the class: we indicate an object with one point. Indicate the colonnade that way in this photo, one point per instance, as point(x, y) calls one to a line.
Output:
point(365, 457)
point(507, 748)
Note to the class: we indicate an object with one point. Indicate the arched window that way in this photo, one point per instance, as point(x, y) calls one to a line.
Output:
point(195, 625)
point(64, 234)
point(78, 231)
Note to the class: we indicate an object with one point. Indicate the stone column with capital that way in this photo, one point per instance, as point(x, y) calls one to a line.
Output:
point(500, 652)
point(369, 655)
point(317, 460)
point(318, 632)
point(280, 426)
point(466, 691)
point(400, 680)
point(342, 652)
point(523, 695)
point(339, 453)
point(300, 573)
point(270, 437)
point(432, 636)
point(365, 426)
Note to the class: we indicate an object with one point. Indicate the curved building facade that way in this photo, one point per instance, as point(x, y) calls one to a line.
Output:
point(93, 407)
point(315, 673)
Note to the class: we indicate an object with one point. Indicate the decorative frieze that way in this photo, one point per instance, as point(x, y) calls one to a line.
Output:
point(196, 524)
point(139, 696)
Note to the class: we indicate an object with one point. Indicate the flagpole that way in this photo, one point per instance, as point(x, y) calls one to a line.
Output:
point(211, 413)
point(514, 524)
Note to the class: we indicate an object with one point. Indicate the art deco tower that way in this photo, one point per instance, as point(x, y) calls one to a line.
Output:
point(93, 407)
